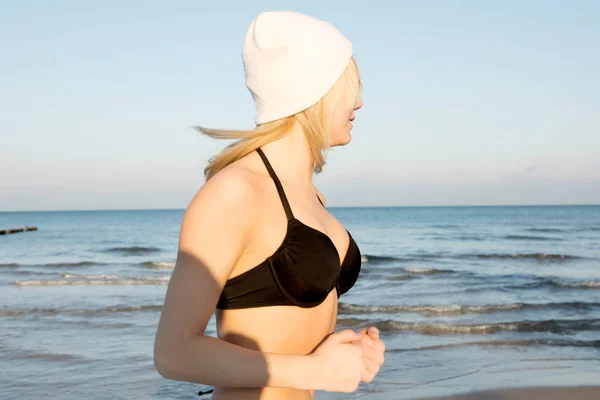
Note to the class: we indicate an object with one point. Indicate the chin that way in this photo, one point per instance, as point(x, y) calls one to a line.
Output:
point(344, 141)
point(348, 137)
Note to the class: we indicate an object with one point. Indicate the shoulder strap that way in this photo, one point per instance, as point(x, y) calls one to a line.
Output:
point(282, 196)
point(320, 201)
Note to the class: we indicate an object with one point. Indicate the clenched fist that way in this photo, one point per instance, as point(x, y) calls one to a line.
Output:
point(373, 350)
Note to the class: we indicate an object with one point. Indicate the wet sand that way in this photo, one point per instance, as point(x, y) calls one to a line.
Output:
point(533, 393)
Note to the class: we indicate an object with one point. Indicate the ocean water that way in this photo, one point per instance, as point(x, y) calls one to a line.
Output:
point(466, 298)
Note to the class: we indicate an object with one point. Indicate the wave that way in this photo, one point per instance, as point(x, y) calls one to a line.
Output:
point(527, 237)
point(158, 264)
point(68, 276)
point(460, 309)
point(552, 326)
point(556, 283)
point(132, 250)
point(36, 311)
point(546, 230)
point(71, 264)
point(508, 343)
point(460, 237)
point(425, 256)
point(97, 280)
point(54, 265)
point(367, 258)
point(501, 256)
point(100, 311)
point(53, 357)
point(535, 256)
point(401, 274)
point(467, 237)
point(26, 272)
point(375, 275)
point(123, 309)
point(427, 271)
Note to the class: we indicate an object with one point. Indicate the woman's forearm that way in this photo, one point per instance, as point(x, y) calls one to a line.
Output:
point(211, 361)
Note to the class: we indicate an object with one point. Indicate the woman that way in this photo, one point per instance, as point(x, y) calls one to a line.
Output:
point(275, 286)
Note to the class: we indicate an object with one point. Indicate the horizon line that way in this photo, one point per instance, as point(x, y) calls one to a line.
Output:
point(329, 207)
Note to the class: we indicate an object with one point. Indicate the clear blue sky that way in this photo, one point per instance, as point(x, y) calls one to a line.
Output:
point(465, 102)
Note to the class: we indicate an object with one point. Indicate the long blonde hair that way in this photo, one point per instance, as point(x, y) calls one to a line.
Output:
point(315, 122)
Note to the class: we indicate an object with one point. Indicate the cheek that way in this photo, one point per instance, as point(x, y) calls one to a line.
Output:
point(340, 124)
point(341, 121)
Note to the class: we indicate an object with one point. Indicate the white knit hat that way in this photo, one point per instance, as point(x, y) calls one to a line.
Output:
point(291, 60)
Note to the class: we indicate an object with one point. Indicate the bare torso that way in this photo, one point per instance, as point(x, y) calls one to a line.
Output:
point(276, 329)
point(279, 329)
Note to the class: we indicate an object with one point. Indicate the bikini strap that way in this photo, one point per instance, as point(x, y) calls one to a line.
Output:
point(320, 201)
point(282, 196)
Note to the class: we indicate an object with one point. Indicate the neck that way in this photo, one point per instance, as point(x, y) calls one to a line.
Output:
point(291, 159)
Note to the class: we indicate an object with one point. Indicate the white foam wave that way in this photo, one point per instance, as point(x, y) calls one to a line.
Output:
point(159, 264)
point(99, 280)
point(431, 310)
point(424, 271)
point(419, 270)
point(591, 284)
point(67, 276)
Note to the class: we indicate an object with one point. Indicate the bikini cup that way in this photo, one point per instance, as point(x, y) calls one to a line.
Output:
point(302, 271)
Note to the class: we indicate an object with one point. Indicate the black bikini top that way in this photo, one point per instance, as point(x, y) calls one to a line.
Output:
point(301, 272)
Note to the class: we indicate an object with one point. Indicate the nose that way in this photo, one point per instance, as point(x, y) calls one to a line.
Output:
point(358, 105)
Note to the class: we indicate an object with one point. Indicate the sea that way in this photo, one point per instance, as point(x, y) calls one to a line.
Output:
point(466, 298)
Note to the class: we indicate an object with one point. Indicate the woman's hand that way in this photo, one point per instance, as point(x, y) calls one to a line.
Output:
point(373, 349)
point(339, 362)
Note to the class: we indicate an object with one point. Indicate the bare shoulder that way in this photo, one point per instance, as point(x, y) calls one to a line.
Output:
point(231, 189)
point(224, 203)
point(229, 183)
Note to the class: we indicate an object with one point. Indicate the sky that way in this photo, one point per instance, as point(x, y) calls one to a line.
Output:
point(465, 102)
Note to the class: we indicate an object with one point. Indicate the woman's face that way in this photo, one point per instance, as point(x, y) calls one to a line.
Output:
point(341, 123)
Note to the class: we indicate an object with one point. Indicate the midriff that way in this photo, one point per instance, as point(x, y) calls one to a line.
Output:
point(276, 329)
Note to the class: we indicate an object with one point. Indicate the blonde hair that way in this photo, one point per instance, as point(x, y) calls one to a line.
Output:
point(315, 122)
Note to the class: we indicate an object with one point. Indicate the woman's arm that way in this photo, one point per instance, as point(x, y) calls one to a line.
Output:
point(214, 231)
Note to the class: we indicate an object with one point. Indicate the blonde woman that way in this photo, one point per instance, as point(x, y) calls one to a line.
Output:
point(257, 245)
